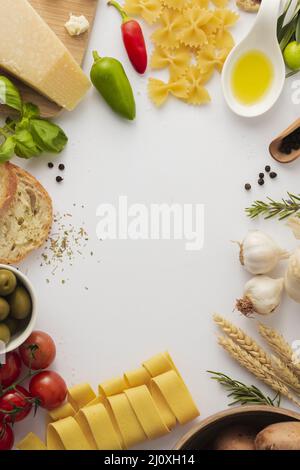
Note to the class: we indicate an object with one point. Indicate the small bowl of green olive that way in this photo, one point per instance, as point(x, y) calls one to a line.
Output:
point(17, 307)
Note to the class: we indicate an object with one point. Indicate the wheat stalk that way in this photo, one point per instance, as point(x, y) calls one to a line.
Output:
point(286, 374)
point(254, 366)
point(279, 345)
point(243, 340)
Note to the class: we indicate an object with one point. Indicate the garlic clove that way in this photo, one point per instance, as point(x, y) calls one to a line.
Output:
point(259, 254)
point(262, 295)
point(292, 277)
point(294, 224)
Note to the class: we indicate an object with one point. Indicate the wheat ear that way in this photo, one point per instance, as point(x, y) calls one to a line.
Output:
point(279, 345)
point(286, 374)
point(255, 367)
point(243, 340)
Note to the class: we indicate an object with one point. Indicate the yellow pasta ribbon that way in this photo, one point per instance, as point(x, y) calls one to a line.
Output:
point(66, 434)
point(31, 442)
point(159, 91)
point(97, 426)
point(143, 404)
point(146, 411)
point(80, 395)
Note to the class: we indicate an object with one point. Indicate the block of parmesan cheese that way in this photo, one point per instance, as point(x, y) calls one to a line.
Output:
point(32, 52)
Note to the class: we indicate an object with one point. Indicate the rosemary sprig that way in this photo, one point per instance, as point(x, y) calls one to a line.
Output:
point(244, 394)
point(270, 208)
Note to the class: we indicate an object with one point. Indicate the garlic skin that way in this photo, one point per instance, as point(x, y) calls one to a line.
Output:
point(262, 295)
point(259, 254)
point(292, 277)
point(294, 224)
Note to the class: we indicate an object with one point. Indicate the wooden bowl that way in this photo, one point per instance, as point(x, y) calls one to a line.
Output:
point(201, 437)
point(275, 145)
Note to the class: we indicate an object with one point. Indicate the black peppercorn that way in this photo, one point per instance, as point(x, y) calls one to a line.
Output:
point(50, 165)
point(273, 174)
point(261, 175)
point(268, 168)
point(261, 181)
point(59, 179)
point(247, 186)
point(61, 166)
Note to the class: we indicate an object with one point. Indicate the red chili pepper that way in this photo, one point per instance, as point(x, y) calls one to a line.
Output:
point(133, 39)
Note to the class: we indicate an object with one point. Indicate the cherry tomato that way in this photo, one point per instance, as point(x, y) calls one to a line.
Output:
point(6, 437)
point(11, 369)
point(15, 405)
point(50, 389)
point(38, 351)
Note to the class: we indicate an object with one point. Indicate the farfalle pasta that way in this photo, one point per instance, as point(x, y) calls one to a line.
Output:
point(159, 90)
point(177, 60)
point(192, 39)
point(149, 10)
point(171, 23)
point(197, 94)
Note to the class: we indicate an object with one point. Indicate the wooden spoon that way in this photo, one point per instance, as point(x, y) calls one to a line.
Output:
point(275, 144)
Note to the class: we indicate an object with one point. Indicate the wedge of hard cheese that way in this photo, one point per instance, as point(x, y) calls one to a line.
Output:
point(31, 51)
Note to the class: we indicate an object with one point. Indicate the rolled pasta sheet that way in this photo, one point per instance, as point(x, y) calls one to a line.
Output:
point(164, 409)
point(97, 426)
point(66, 434)
point(31, 442)
point(63, 411)
point(137, 377)
point(147, 412)
point(112, 386)
point(177, 396)
point(158, 364)
point(129, 426)
point(80, 395)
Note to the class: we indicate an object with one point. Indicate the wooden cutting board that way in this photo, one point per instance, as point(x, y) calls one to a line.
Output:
point(56, 13)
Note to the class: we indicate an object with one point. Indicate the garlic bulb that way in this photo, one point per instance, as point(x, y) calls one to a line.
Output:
point(261, 295)
point(259, 254)
point(292, 276)
point(294, 224)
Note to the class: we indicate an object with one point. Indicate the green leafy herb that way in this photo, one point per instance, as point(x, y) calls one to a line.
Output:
point(244, 394)
point(280, 209)
point(288, 27)
point(29, 135)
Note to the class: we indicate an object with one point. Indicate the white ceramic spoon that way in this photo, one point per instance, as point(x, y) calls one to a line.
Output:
point(261, 37)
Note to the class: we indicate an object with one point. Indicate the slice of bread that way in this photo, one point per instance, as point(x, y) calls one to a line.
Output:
point(8, 186)
point(26, 222)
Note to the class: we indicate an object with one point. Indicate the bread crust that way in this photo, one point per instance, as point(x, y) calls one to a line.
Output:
point(8, 179)
point(19, 173)
point(251, 6)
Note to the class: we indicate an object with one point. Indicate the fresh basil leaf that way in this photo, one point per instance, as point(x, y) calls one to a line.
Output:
point(30, 111)
point(7, 149)
point(25, 145)
point(9, 94)
point(48, 136)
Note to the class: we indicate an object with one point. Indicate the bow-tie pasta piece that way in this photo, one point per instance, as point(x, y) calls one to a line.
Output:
point(177, 60)
point(224, 40)
point(209, 58)
point(167, 34)
point(175, 4)
point(192, 33)
point(226, 17)
point(197, 94)
point(149, 10)
point(159, 90)
point(220, 3)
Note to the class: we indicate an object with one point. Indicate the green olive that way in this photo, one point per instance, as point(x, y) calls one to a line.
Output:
point(8, 282)
point(12, 324)
point(20, 303)
point(4, 333)
point(4, 309)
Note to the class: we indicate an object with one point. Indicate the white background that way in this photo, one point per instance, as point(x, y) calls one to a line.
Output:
point(145, 297)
